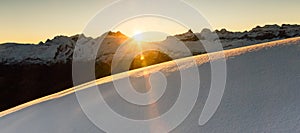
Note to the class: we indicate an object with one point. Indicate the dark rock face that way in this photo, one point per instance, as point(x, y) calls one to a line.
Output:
point(26, 82)
point(23, 83)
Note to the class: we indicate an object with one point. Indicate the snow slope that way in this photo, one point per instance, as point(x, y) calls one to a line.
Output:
point(262, 95)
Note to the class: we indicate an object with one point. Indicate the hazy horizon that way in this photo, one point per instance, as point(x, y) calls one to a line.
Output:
point(34, 21)
point(161, 38)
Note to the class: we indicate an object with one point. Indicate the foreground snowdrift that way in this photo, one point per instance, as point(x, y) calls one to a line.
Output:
point(262, 95)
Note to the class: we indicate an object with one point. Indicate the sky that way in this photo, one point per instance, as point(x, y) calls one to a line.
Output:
point(32, 21)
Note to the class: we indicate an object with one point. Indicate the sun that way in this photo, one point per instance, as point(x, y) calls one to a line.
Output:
point(137, 32)
point(138, 35)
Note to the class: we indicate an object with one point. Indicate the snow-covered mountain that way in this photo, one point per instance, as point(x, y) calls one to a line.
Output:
point(61, 48)
point(261, 95)
point(239, 39)
point(58, 50)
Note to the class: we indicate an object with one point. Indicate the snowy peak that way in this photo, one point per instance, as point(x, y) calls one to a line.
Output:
point(267, 32)
point(60, 49)
point(262, 33)
point(116, 34)
point(188, 36)
point(57, 50)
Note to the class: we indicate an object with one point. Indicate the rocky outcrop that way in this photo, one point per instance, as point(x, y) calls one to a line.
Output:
point(188, 36)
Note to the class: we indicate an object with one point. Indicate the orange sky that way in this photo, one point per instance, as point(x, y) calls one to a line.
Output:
point(32, 21)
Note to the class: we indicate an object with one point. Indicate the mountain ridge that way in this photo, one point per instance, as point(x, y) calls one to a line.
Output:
point(61, 48)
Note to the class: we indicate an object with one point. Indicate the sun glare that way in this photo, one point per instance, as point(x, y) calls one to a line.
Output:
point(142, 57)
point(137, 32)
point(138, 36)
point(150, 28)
point(147, 36)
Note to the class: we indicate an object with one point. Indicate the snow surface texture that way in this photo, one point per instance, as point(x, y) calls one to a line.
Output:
point(61, 48)
point(261, 95)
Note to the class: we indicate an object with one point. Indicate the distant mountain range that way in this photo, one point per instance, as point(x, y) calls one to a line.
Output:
point(60, 49)
point(30, 71)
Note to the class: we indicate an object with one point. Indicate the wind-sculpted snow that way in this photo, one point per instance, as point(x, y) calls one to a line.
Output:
point(261, 95)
